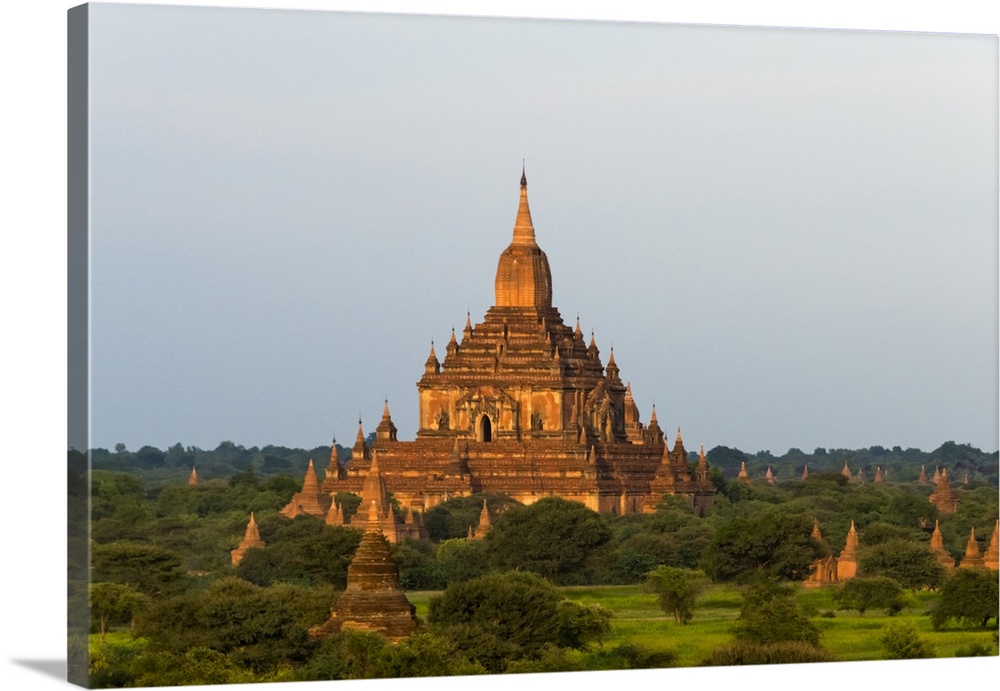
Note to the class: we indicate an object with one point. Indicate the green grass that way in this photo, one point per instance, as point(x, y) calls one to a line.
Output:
point(848, 636)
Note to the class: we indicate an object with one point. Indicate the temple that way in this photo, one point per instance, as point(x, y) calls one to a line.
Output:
point(943, 497)
point(522, 405)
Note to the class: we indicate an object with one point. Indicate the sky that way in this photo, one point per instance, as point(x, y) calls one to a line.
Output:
point(789, 236)
point(33, 282)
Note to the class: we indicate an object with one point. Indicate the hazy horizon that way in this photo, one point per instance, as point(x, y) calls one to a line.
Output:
point(789, 236)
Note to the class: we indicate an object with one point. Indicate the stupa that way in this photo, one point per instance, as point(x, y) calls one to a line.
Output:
point(373, 599)
point(251, 539)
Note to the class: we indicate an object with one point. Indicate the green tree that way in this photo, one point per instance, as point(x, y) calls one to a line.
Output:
point(676, 590)
point(149, 569)
point(773, 544)
point(501, 617)
point(113, 603)
point(863, 594)
point(304, 550)
point(553, 537)
point(452, 518)
point(969, 596)
point(770, 614)
point(901, 642)
point(911, 564)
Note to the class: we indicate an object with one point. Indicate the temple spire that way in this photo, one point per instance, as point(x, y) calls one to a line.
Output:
point(524, 230)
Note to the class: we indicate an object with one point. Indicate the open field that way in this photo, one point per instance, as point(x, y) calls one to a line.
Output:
point(847, 635)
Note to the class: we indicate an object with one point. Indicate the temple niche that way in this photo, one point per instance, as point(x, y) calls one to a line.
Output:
point(522, 404)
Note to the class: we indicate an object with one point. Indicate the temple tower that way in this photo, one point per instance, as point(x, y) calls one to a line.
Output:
point(769, 476)
point(193, 477)
point(943, 497)
point(373, 599)
point(846, 471)
point(991, 558)
point(484, 524)
point(743, 476)
point(972, 558)
point(251, 539)
point(310, 500)
point(937, 546)
point(847, 562)
point(878, 475)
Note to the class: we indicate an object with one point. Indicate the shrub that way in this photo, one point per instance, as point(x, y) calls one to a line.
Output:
point(901, 642)
point(745, 653)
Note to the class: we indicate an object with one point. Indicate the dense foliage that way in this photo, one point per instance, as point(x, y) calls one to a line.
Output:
point(167, 606)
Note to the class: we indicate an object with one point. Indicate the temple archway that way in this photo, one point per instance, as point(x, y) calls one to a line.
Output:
point(485, 431)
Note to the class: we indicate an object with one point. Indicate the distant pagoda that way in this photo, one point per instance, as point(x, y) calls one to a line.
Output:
point(251, 539)
point(943, 497)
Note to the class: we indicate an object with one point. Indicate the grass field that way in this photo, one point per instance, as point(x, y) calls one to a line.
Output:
point(847, 635)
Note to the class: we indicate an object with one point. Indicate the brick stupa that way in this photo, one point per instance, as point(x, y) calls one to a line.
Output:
point(373, 600)
point(847, 562)
point(991, 558)
point(251, 539)
point(972, 559)
point(937, 545)
point(311, 500)
point(743, 476)
point(943, 497)
point(824, 571)
point(484, 524)
point(193, 477)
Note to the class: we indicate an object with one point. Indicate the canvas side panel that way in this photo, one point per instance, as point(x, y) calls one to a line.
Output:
point(78, 371)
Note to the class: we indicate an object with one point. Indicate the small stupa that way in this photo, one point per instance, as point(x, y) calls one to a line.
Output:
point(972, 558)
point(310, 500)
point(990, 557)
point(846, 471)
point(193, 477)
point(805, 472)
point(251, 539)
point(879, 478)
point(484, 524)
point(923, 476)
point(743, 476)
point(769, 476)
point(373, 599)
point(937, 545)
point(847, 562)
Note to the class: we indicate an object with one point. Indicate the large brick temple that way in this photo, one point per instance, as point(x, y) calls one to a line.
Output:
point(522, 405)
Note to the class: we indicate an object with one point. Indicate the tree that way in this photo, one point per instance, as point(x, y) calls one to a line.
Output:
point(901, 642)
point(149, 569)
point(870, 593)
point(507, 616)
point(553, 537)
point(452, 518)
point(970, 596)
point(676, 590)
point(770, 614)
point(911, 564)
point(773, 544)
point(113, 603)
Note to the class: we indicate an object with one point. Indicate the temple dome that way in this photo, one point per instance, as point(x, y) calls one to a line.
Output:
point(523, 275)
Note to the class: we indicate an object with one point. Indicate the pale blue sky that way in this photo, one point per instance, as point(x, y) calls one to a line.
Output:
point(789, 236)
